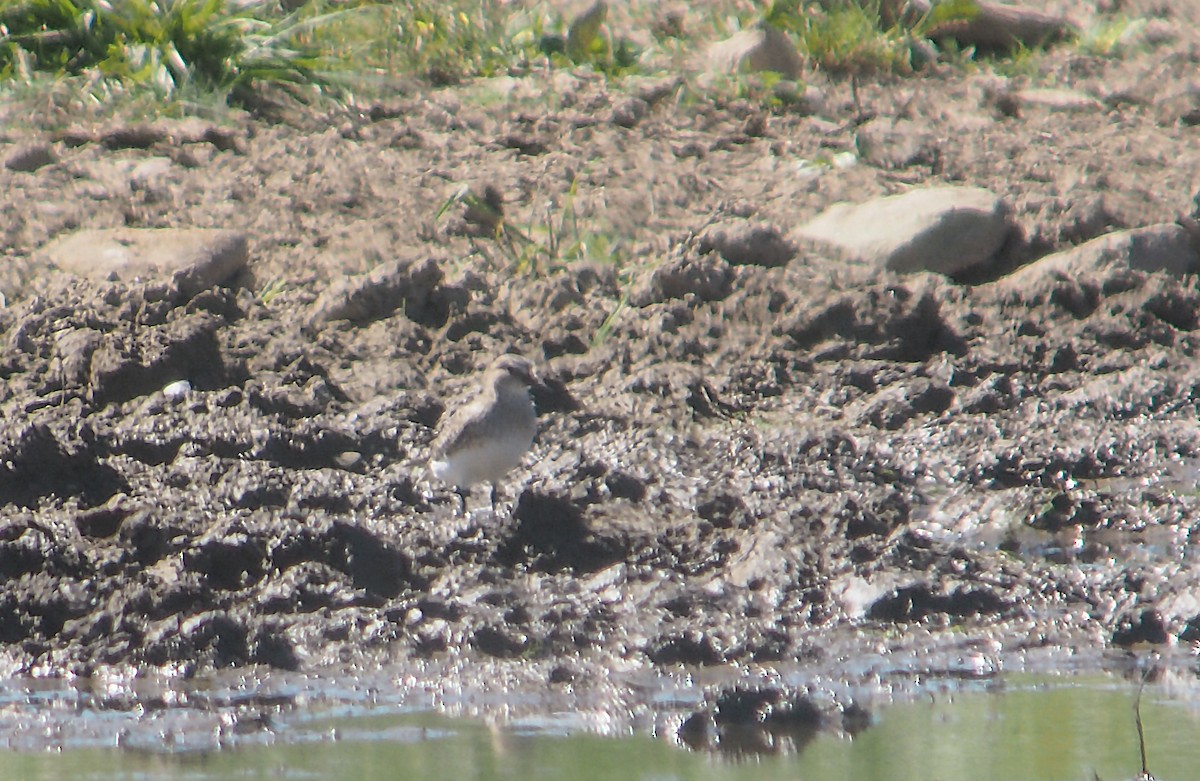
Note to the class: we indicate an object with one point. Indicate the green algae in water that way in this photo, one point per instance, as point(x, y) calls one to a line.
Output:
point(1031, 729)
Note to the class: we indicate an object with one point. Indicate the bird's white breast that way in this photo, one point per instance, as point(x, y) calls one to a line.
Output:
point(485, 460)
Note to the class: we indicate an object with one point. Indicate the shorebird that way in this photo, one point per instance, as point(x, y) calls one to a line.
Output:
point(487, 437)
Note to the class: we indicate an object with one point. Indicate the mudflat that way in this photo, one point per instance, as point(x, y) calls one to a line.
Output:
point(754, 448)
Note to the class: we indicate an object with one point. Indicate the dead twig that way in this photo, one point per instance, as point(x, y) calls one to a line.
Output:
point(1137, 720)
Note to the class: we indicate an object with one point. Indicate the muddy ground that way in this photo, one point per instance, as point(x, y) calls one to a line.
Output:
point(803, 465)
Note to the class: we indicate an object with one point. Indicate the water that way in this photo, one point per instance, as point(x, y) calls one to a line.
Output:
point(1072, 728)
point(1067, 729)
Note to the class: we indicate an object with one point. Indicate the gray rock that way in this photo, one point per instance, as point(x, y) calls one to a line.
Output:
point(1166, 247)
point(763, 48)
point(893, 143)
point(745, 243)
point(30, 158)
point(189, 260)
point(152, 177)
point(947, 230)
point(379, 293)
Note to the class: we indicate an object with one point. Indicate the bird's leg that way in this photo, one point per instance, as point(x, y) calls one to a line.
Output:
point(493, 498)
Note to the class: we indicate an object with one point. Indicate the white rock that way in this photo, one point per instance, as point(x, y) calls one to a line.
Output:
point(190, 259)
point(174, 391)
point(947, 230)
point(843, 160)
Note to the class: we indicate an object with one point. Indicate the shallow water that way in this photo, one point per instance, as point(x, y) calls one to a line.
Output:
point(1024, 727)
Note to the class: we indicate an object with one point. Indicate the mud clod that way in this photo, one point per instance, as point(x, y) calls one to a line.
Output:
point(101, 523)
point(501, 642)
point(398, 285)
point(705, 277)
point(756, 244)
point(691, 648)
point(1144, 627)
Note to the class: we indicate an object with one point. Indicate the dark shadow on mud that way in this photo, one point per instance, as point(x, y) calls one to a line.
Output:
point(375, 566)
point(915, 602)
point(154, 357)
point(219, 639)
point(1140, 627)
point(552, 535)
point(35, 463)
point(322, 566)
point(888, 322)
point(691, 648)
point(227, 563)
point(553, 395)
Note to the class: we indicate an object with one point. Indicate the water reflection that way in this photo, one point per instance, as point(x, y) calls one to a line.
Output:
point(1031, 728)
point(753, 722)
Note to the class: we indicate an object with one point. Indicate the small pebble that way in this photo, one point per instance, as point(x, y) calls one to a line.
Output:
point(350, 460)
point(175, 391)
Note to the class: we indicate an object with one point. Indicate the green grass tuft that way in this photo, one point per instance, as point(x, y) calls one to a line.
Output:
point(164, 45)
point(1110, 37)
point(199, 53)
point(856, 37)
point(553, 237)
point(444, 42)
point(610, 321)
